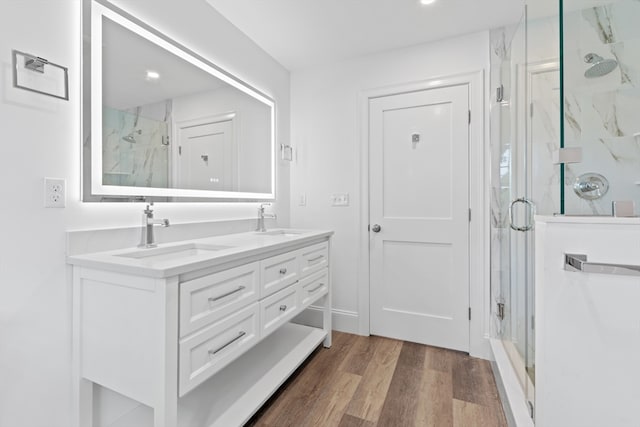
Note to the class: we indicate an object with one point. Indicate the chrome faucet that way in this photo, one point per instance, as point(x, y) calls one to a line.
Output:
point(262, 216)
point(147, 231)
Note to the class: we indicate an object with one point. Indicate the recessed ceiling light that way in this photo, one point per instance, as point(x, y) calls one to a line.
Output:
point(426, 2)
point(152, 75)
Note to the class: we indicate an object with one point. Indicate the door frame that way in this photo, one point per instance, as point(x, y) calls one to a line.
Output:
point(479, 157)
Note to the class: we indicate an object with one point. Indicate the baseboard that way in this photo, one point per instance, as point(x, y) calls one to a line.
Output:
point(341, 320)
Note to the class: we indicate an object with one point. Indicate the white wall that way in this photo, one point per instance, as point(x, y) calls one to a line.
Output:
point(325, 133)
point(41, 137)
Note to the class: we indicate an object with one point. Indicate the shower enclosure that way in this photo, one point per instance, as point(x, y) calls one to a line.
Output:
point(565, 140)
point(525, 137)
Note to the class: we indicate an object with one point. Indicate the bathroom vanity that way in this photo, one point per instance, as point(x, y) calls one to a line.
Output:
point(199, 332)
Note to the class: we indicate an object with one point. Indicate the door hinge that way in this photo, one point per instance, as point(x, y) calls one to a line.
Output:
point(500, 310)
point(531, 109)
point(180, 150)
point(469, 116)
point(532, 413)
point(469, 313)
point(500, 93)
point(469, 214)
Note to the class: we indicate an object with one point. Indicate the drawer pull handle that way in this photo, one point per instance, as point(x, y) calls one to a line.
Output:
point(214, 299)
point(316, 288)
point(283, 307)
point(222, 347)
point(283, 271)
point(318, 258)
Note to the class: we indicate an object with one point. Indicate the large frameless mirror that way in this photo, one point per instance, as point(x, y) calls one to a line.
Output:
point(163, 123)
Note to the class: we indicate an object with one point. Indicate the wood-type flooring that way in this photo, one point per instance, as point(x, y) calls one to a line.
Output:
point(374, 381)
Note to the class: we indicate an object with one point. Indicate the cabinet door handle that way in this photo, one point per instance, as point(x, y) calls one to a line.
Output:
point(222, 347)
point(318, 258)
point(283, 307)
point(213, 299)
point(316, 288)
point(283, 271)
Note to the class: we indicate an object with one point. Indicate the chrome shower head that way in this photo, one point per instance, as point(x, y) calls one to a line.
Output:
point(599, 66)
point(131, 137)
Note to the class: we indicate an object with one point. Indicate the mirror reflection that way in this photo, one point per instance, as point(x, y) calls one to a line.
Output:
point(171, 124)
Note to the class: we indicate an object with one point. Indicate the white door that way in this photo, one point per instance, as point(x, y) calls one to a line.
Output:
point(207, 157)
point(419, 197)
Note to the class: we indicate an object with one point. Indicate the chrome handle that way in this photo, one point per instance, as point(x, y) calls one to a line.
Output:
point(213, 299)
point(316, 288)
point(283, 271)
point(283, 307)
point(222, 347)
point(376, 228)
point(316, 258)
point(532, 210)
point(578, 262)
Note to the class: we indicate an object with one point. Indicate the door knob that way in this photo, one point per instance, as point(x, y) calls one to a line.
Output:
point(376, 228)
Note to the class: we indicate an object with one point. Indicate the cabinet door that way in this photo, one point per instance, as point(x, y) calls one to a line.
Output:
point(208, 351)
point(278, 272)
point(314, 258)
point(214, 296)
point(279, 308)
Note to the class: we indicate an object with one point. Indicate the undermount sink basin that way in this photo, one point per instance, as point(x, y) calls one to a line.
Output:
point(172, 252)
point(285, 233)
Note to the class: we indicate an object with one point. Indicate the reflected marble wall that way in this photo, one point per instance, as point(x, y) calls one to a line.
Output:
point(135, 149)
point(602, 114)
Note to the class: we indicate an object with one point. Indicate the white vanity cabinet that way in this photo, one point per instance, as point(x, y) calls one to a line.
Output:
point(199, 342)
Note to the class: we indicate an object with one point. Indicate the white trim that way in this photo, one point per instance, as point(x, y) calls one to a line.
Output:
point(342, 320)
point(478, 202)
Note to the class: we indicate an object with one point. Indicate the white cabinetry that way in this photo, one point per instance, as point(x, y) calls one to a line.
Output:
point(200, 344)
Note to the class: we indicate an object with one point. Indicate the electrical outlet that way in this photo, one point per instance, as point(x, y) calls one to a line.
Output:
point(54, 193)
point(340, 199)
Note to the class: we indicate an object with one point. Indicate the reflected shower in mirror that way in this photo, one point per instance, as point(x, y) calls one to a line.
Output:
point(173, 125)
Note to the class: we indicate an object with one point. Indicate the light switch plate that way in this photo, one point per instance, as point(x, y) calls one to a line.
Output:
point(340, 199)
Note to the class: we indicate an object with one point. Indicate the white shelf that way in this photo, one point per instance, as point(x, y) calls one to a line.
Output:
point(233, 395)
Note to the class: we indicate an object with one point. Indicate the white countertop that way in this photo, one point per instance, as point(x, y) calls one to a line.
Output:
point(588, 219)
point(233, 247)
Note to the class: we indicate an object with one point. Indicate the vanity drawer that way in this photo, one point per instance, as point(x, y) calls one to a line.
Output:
point(209, 298)
point(278, 309)
point(278, 272)
point(314, 258)
point(210, 350)
point(313, 287)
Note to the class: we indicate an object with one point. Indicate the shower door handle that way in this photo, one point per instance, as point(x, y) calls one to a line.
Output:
point(532, 211)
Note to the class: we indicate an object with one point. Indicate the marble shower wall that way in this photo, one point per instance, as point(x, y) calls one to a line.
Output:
point(135, 150)
point(602, 115)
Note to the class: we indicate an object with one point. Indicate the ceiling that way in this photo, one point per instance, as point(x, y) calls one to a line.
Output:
point(303, 33)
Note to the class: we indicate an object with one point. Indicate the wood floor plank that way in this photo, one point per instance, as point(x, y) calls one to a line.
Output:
point(360, 355)
point(292, 405)
point(473, 380)
point(439, 359)
point(467, 414)
point(371, 393)
point(406, 382)
point(330, 407)
point(351, 421)
point(435, 399)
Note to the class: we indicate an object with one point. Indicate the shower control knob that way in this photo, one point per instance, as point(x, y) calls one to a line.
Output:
point(376, 228)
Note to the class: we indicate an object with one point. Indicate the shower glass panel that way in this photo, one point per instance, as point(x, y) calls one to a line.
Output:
point(601, 69)
point(525, 137)
point(135, 150)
